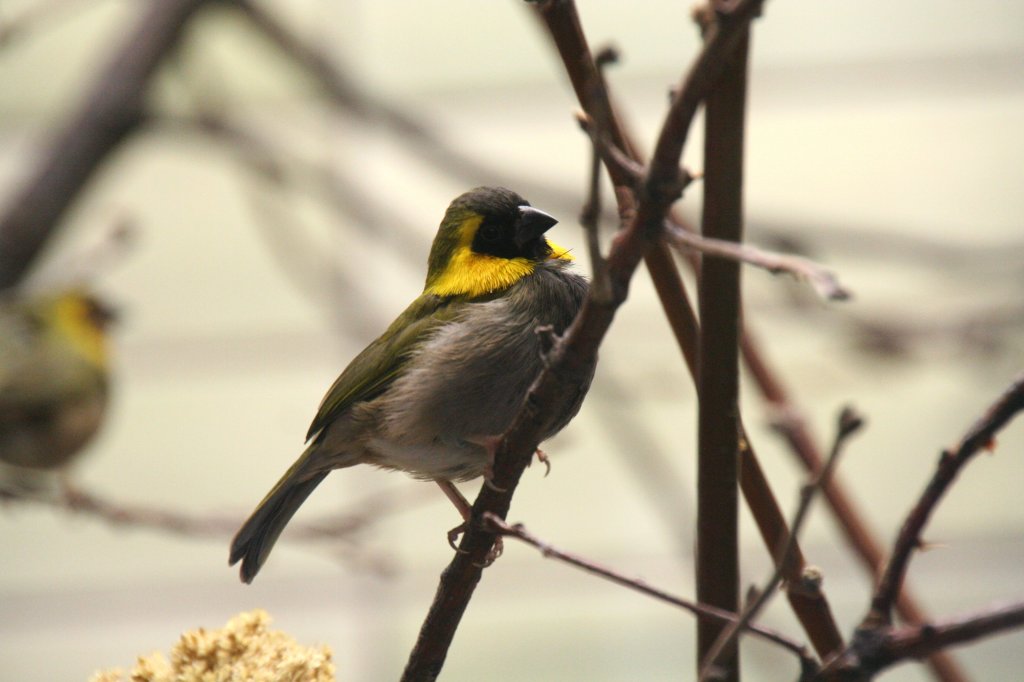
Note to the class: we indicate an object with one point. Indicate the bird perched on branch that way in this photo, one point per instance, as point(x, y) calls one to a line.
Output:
point(53, 378)
point(433, 394)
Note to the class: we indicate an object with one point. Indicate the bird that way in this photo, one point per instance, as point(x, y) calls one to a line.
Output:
point(54, 378)
point(432, 395)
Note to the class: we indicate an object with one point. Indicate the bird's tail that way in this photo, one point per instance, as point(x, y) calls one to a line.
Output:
point(256, 537)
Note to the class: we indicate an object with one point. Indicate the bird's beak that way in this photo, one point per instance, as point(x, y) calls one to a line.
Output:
point(531, 224)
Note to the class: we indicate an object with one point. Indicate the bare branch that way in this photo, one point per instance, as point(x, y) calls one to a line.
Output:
point(849, 422)
point(111, 111)
point(877, 648)
point(519, 532)
point(563, 24)
point(979, 436)
point(77, 500)
point(823, 280)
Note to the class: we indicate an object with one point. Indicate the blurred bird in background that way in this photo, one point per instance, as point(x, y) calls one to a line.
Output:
point(54, 382)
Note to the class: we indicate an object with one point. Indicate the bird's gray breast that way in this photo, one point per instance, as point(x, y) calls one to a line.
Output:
point(468, 380)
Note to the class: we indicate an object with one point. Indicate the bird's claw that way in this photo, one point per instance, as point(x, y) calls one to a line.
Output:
point(453, 536)
point(497, 549)
point(543, 457)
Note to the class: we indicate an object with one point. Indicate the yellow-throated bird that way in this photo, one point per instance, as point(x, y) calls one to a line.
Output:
point(53, 377)
point(434, 391)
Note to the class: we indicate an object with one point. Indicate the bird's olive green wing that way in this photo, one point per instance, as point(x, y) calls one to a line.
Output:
point(380, 363)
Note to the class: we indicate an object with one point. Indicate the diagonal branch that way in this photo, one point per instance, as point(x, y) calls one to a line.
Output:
point(819, 277)
point(113, 109)
point(979, 436)
point(884, 646)
point(849, 423)
point(563, 24)
point(569, 363)
point(518, 531)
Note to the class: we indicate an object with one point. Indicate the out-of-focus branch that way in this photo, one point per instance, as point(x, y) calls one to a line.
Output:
point(77, 500)
point(347, 94)
point(113, 108)
point(37, 16)
point(807, 663)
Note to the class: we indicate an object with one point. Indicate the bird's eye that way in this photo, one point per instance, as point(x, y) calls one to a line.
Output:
point(489, 232)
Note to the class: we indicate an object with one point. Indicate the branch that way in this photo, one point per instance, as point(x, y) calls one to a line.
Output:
point(562, 22)
point(110, 112)
point(718, 419)
point(849, 423)
point(824, 281)
point(569, 364)
point(918, 641)
point(851, 520)
point(703, 611)
point(878, 649)
point(76, 500)
point(979, 436)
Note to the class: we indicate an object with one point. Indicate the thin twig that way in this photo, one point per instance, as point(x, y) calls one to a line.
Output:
point(849, 422)
point(849, 516)
point(519, 532)
point(823, 280)
point(979, 436)
point(589, 217)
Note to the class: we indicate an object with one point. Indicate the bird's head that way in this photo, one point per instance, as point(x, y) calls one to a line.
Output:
point(490, 238)
point(82, 320)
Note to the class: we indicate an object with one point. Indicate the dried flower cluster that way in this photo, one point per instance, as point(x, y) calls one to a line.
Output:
point(245, 649)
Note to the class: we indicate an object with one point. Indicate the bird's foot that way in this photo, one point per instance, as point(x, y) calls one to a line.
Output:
point(453, 536)
point(543, 457)
point(497, 549)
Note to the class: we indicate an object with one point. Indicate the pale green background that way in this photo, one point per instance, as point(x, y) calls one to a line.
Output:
point(885, 119)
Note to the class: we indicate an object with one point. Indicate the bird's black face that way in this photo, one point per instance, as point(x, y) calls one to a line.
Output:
point(509, 226)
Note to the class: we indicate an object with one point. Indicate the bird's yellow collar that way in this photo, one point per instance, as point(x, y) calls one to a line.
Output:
point(70, 319)
point(474, 274)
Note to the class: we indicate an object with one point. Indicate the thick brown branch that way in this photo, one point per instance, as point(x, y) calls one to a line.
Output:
point(876, 649)
point(563, 24)
point(569, 362)
point(718, 420)
point(918, 641)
